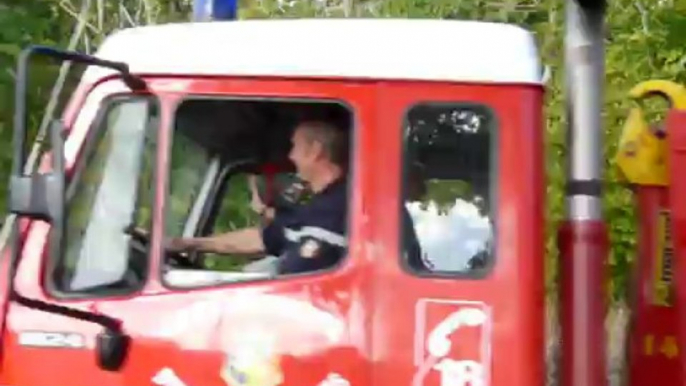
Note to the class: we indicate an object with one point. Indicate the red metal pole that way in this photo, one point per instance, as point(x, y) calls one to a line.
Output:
point(583, 247)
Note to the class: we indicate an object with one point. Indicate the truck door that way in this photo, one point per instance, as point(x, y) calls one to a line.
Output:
point(108, 192)
point(464, 304)
point(226, 321)
point(216, 323)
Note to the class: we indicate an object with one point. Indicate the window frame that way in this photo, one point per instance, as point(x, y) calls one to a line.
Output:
point(493, 188)
point(205, 194)
point(352, 170)
point(97, 129)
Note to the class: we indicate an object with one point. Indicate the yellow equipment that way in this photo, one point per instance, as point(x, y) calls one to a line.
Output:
point(642, 151)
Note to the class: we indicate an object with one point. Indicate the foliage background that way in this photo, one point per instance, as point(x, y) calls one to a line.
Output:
point(643, 41)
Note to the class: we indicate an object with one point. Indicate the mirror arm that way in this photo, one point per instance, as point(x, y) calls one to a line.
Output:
point(109, 323)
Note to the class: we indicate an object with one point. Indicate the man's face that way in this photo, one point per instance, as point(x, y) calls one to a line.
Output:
point(304, 154)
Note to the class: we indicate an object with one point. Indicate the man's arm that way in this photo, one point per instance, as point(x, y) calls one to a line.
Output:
point(245, 241)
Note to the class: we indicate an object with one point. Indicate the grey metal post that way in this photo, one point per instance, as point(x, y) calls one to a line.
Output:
point(584, 61)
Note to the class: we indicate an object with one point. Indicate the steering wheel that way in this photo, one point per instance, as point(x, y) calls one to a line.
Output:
point(141, 242)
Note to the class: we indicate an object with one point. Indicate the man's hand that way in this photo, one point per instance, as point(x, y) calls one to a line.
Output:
point(255, 201)
point(257, 205)
point(176, 244)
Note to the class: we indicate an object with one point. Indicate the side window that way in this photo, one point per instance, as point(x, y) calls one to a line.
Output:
point(210, 193)
point(447, 226)
point(110, 193)
point(219, 150)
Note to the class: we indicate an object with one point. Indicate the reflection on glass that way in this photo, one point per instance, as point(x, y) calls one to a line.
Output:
point(450, 237)
point(110, 195)
point(447, 187)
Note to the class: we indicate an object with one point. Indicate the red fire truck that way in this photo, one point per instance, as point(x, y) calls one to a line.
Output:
point(164, 137)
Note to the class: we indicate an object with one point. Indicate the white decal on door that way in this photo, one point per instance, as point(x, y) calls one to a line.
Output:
point(167, 377)
point(334, 379)
point(452, 343)
point(51, 339)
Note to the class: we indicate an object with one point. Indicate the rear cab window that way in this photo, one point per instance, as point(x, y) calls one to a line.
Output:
point(447, 219)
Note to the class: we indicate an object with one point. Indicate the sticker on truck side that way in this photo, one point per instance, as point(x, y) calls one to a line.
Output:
point(663, 270)
point(452, 343)
point(51, 339)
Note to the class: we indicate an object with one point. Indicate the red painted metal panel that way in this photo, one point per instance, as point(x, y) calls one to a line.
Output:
point(676, 128)
point(653, 350)
point(359, 324)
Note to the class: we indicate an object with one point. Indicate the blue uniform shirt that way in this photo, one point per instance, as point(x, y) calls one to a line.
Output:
point(313, 236)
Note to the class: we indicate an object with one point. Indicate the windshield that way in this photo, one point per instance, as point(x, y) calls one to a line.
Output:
point(111, 191)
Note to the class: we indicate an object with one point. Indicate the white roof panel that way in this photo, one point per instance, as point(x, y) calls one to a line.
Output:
point(407, 49)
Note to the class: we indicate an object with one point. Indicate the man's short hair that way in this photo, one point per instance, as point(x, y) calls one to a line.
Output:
point(333, 139)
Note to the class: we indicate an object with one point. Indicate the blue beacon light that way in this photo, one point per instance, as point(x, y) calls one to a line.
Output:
point(215, 10)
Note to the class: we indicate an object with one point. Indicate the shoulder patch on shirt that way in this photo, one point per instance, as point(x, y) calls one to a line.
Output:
point(310, 249)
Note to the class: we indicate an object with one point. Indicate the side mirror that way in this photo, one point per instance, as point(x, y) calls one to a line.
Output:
point(111, 349)
point(42, 196)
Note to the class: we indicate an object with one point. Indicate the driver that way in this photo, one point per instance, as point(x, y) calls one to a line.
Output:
point(312, 237)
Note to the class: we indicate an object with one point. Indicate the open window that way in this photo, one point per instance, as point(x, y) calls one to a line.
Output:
point(228, 158)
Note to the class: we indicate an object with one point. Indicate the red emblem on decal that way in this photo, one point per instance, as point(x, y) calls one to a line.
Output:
point(452, 343)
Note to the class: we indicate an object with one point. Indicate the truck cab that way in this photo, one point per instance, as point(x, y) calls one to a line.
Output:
point(445, 124)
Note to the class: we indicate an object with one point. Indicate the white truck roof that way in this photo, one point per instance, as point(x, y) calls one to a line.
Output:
point(405, 49)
